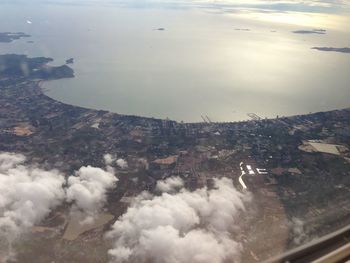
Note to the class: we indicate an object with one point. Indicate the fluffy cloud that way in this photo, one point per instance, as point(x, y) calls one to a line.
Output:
point(196, 226)
point(8, 161)
point(27, 195)
point(88, 188)
point(109, 159)
point(176, 226)
point(170, 184)
point(122, 163)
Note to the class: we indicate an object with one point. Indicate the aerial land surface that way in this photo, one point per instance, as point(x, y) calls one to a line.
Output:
point(297, 168)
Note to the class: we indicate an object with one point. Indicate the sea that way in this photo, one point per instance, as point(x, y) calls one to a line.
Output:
point(187, 60)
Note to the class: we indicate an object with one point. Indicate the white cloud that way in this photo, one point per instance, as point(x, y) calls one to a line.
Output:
point(27, 195)
point(170, 184)
point(88, 188)
point(122, 163)
point(8, 160)
point(109, 159)
point(297, 229)
point(196, 226)
point(185, 226)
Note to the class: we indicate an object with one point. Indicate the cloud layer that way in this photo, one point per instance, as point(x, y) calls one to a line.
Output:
point(27, 195)
point(122, 163)
point(196, 226)
point(175, 226)
point(88, 188)
point(170, 184)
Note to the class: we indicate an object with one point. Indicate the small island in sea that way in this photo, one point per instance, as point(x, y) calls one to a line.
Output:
point(7, 37)
point(70, 61)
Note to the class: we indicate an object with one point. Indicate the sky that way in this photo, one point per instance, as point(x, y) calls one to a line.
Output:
point(312, 6)
point(277, 5)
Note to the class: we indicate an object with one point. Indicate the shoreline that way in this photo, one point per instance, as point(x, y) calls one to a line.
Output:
point(42, 88)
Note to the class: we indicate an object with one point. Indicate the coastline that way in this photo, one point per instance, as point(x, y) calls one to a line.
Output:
point(55, 135)
point(44, 90)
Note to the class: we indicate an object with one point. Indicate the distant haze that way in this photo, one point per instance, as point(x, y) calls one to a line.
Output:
point(184, 59)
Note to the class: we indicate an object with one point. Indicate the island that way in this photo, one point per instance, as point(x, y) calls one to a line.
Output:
point(242, 29)
point(333, 49)
point(313, 31)
point(20, 66)
point(7, 37)
point(70, 61)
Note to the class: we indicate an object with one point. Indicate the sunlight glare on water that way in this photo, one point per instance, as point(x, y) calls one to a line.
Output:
point(222, 59)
